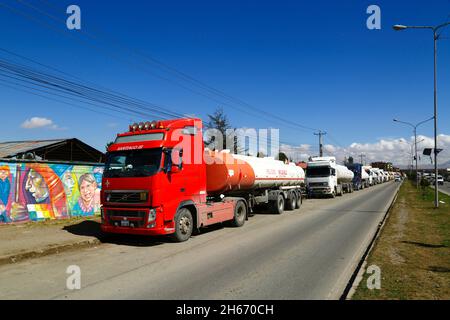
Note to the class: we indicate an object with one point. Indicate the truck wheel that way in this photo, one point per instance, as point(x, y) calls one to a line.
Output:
point(298, 201)
point(290, 202)
point(184, 225)
point(240, 213)
point(278, 205)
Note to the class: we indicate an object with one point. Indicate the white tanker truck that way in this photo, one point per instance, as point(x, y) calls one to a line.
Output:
point(371, 174)
point(326, 178)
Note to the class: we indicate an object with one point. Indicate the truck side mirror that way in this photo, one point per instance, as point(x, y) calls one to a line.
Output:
point(180, 165)
point(169, 165)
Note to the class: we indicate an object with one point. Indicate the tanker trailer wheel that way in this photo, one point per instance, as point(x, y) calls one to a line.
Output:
point(278, 205)
point(240, 213)
point(290, 201)
point(298, 200)
point(184, 224)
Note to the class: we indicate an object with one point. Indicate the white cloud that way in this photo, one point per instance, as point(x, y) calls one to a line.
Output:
point(38, 122)
point(392, 150)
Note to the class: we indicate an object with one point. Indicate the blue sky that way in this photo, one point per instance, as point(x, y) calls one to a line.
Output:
point(313, 63)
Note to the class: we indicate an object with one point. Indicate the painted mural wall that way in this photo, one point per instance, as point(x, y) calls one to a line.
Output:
point(39, 191)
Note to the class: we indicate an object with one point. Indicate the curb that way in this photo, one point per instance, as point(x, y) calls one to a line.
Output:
point(49, 250)
point(440, 190)
point(357, 275)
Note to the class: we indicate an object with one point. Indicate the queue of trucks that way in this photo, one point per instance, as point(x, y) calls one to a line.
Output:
point(324, 177)
point(159, 179)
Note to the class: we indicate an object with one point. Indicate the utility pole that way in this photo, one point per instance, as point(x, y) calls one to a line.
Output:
point(415, 142)
point(320, 134)
point(362, 156)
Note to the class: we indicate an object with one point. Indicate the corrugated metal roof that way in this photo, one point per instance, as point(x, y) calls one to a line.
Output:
point(10, 149)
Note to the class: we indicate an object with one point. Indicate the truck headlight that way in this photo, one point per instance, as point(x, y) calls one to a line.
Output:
point(151, 215)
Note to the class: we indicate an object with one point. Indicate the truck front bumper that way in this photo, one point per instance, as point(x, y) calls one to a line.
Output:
point(138, 231)
point(134, 221)
point(319, 191)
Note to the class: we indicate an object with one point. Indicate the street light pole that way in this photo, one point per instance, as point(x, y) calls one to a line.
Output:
point(415, 148)
point(435, 29)
point(436, 192)
point(415, 142)
point(412, 152)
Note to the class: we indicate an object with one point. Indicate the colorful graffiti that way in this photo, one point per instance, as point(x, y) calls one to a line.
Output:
point(39, 191)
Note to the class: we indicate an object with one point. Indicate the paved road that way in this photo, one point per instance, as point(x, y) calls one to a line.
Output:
point(445, 188)
point(304, 254)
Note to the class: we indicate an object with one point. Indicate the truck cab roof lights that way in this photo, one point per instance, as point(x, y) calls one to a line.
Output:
point(145, 126)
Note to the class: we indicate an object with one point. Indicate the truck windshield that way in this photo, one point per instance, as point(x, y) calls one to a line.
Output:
point(133, 163)
point(318, 172)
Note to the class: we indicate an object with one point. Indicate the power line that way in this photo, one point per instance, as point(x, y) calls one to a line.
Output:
point(63, 86)
point(180, 75)
point(267, 116)
point(87, 82)
point(56, 100)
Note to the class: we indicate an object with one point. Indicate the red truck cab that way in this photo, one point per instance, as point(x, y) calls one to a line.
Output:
point(154, 182)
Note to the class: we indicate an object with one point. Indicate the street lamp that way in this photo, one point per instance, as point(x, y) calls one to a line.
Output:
point(411, 153)
point(415, 140)
point(399, 27)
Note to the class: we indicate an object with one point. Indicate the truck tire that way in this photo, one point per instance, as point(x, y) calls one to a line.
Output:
point(290, 201)
point(333, 194)
point(278, 205)
point(240, 213)
point(298, 200)
point(184, 225)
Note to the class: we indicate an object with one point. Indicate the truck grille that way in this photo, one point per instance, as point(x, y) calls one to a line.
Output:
point(127, 213)
point(136, 217)
point(318, 184)
point(126, 197)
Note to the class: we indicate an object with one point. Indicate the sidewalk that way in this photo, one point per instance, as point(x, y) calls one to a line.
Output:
point(34, 239)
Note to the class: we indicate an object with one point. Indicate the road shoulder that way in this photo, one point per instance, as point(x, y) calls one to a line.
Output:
point(412, 252)
point(35, 239)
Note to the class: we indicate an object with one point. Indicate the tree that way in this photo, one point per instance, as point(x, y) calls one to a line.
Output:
point(350, 160)
point(219, 121)
point(282, 157)
point(108, 145)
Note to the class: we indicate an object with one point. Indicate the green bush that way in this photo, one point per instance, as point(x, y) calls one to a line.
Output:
point(424, 183)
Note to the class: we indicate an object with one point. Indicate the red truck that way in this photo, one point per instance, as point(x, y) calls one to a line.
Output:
point(159, 179)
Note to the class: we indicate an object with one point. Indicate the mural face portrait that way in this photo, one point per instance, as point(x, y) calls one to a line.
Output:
point(87, 186)
point(3, 174)
point(36, 185)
